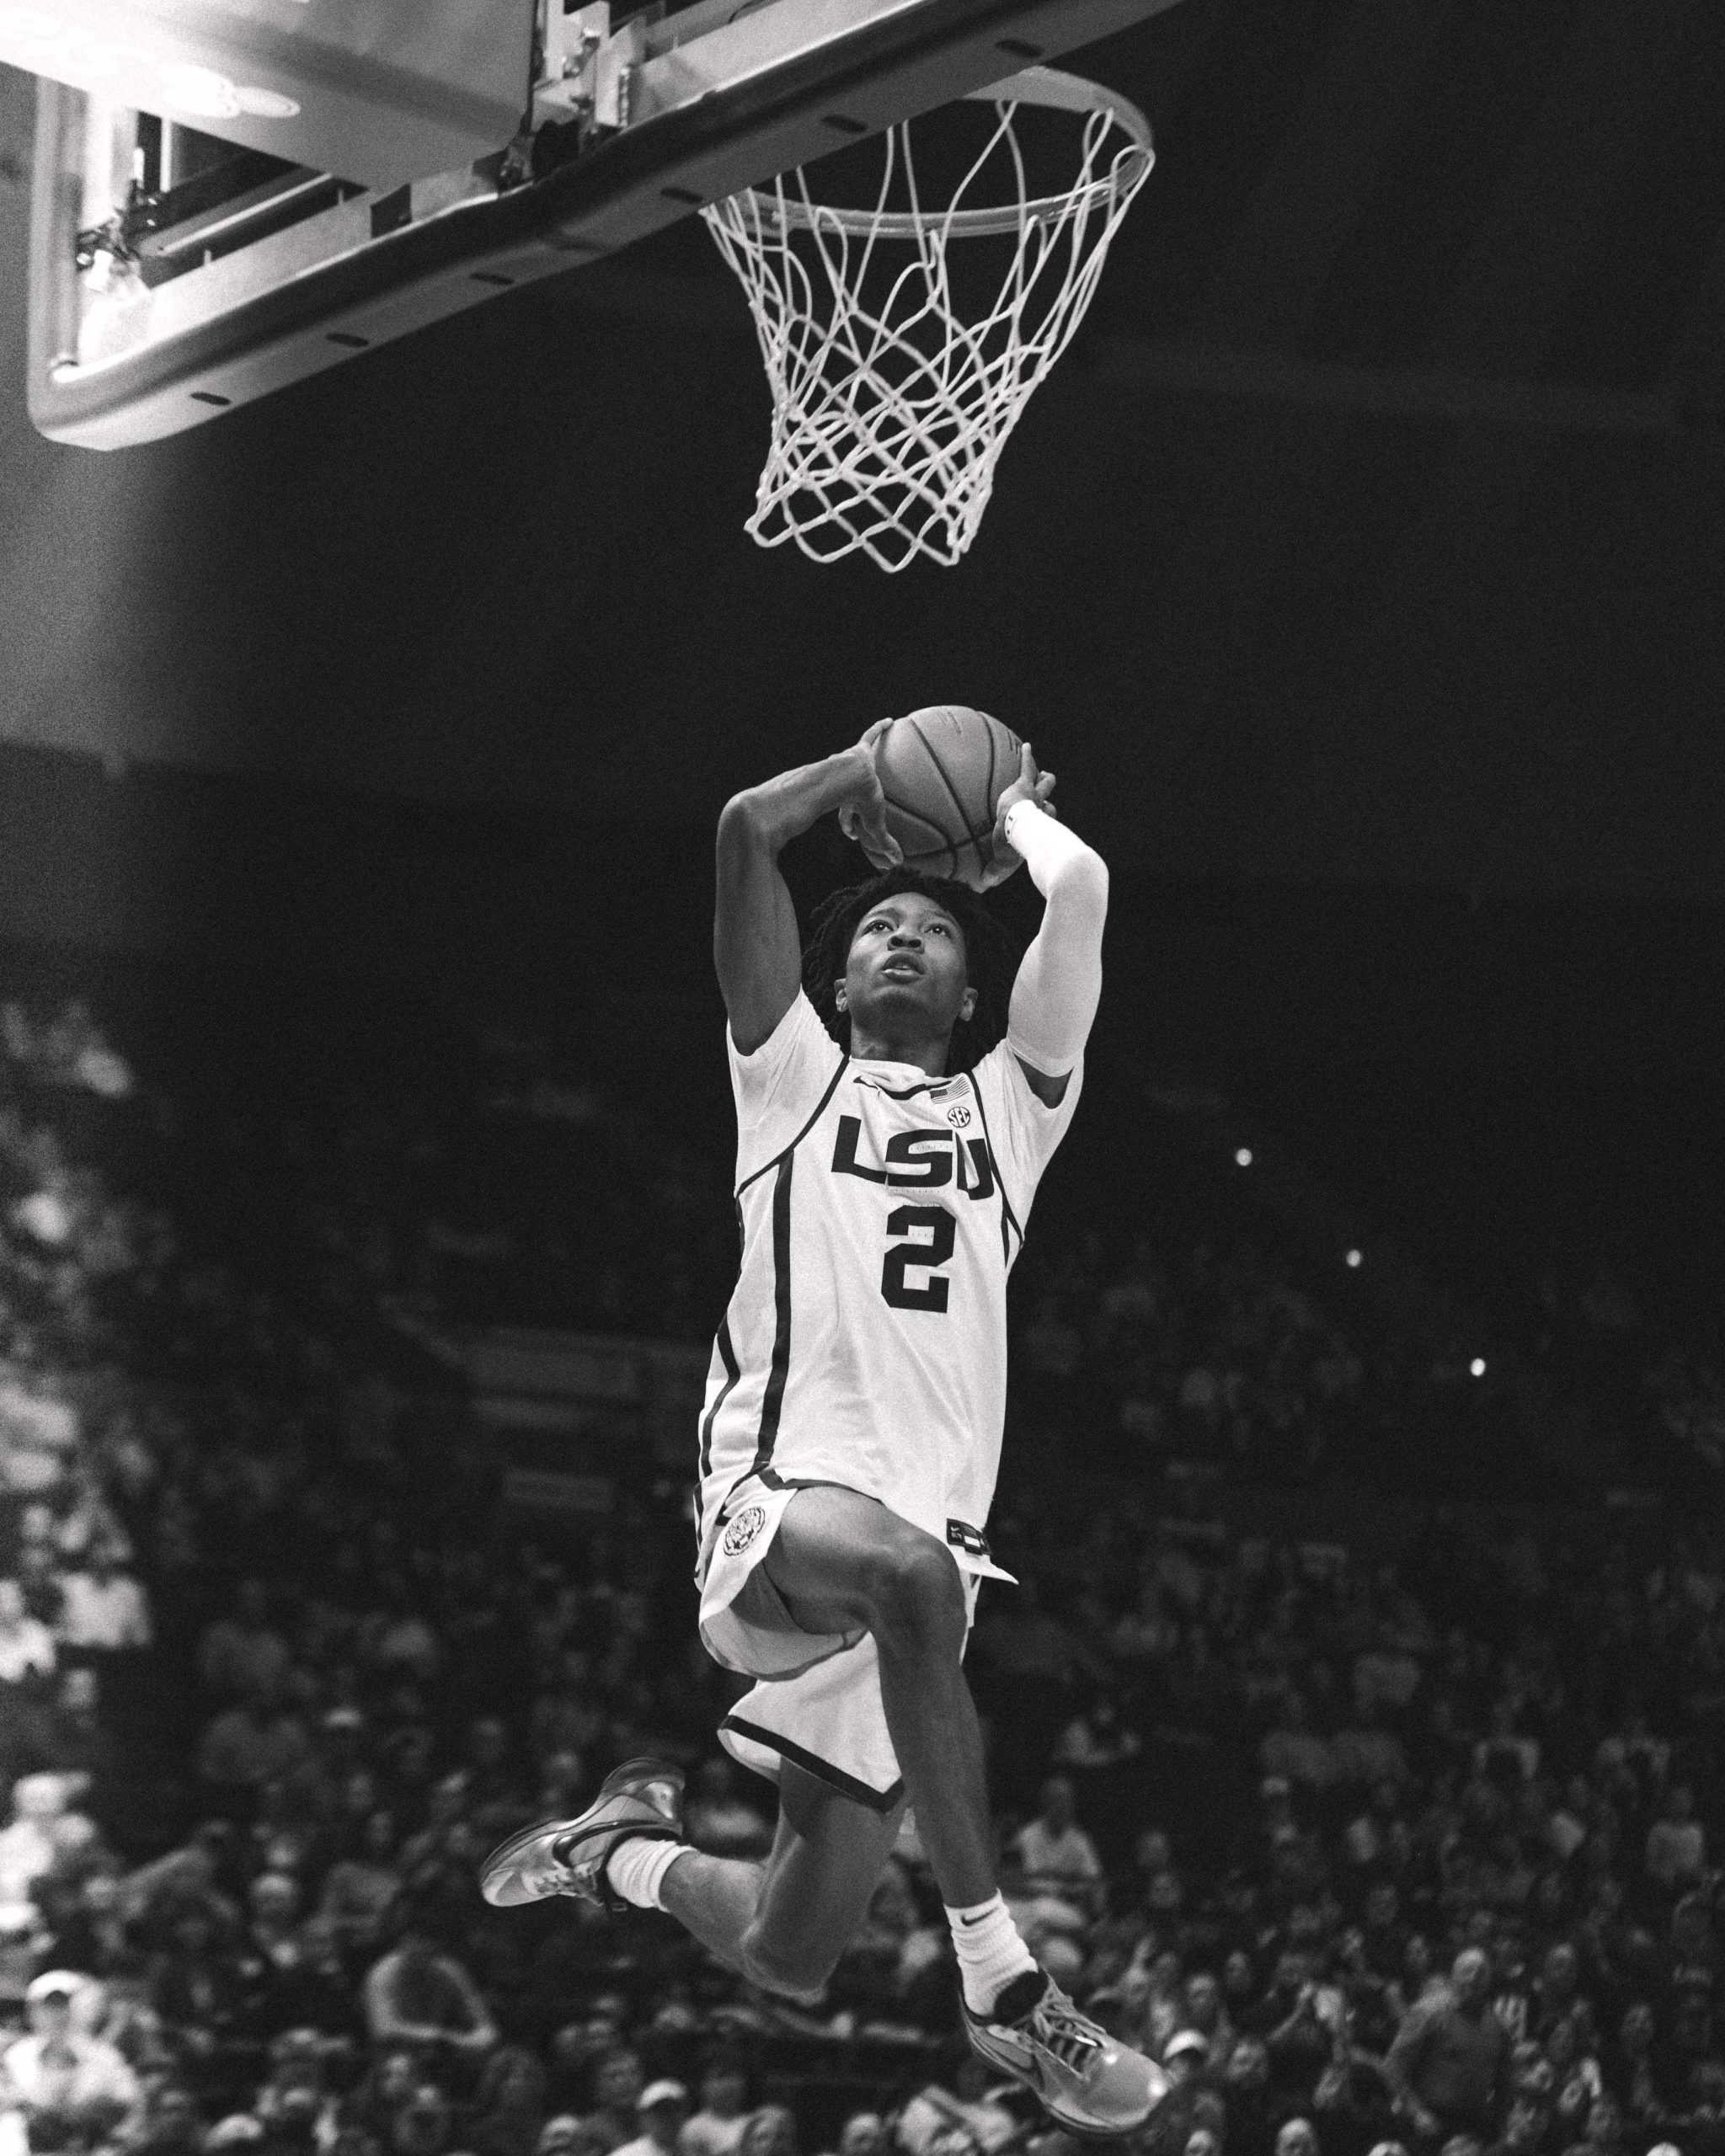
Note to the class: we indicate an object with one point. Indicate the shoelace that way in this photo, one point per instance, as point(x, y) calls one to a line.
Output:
point(1068, 2036)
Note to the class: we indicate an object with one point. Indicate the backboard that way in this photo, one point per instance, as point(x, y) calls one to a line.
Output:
point(229, 195)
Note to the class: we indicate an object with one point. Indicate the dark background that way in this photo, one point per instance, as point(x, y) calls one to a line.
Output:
point(1360, 571)
point(1372, 531)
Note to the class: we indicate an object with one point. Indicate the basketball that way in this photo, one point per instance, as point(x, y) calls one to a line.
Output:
point(943, 769)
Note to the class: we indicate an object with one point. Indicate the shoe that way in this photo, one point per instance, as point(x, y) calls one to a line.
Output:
point(1087, 2081)
point(643, 1798)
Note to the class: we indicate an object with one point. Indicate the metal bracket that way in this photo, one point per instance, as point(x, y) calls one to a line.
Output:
point(588, 69)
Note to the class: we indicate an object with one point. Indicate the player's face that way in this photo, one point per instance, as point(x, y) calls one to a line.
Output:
point(906, 968)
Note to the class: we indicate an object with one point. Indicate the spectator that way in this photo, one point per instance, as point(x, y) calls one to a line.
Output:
point(103, 1607)
point(71, 2088)
point(1295, 1751)
point(239, 2132)
point(1186, 2054)
point(863, 2134)
point(422, 2125)
point(509, 2106)
point(1448, 2064)
point(566, 2135)
point(617, 2083)
point(383, 2089)
point(1300, 2028)
point(1639, 2074)
point(717, 2128)
point(417, 1994)
point(295, 2103)
point(242, 1655)
point(359, 1890)
point(1059, 1859)
point(257, 1741)
point(1297, 2137)
point(1206, 2012)
point(771, 2131)
point(1246, 2089)
point(661, 2108)
point(173, 2124)
point(1677, 1843)
point(198, 1989)
point(26, 1645)
point(1557, 1991)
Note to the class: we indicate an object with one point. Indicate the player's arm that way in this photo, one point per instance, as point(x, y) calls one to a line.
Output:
point(757, 950)
point(1059, 982)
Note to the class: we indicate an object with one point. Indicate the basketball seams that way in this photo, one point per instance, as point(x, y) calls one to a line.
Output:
point(943, 796)
point(957, 799)
point(942, 845)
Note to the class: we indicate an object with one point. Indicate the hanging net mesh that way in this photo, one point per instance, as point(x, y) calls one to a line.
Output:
point(901, 341)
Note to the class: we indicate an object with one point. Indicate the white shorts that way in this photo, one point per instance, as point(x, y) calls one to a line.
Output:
point(817, 1701)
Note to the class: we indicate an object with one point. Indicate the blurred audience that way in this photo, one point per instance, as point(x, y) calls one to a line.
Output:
point(1391, 1836)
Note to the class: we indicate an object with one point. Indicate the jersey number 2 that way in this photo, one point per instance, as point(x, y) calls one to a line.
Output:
point(909, 1221)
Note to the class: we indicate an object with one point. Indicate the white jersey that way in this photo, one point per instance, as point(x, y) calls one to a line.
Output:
point(881, 1210)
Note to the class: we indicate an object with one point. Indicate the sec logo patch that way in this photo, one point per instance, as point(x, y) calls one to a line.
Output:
point(744, 1529)
point(958, 1117)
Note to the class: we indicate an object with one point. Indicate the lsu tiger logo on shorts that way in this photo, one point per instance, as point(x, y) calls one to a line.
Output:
point(743, 1529)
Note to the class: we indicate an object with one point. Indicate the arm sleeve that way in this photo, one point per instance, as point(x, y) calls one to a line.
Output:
point(1058, 983)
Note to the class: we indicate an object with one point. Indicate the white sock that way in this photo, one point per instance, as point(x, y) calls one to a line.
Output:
point(636, 1868)
point(990, 1951)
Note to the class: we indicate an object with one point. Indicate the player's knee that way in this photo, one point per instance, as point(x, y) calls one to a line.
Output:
point(795, 1968)
point(916, 1594)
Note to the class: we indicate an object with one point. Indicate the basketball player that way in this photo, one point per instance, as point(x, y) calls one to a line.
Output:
point(852, 1423)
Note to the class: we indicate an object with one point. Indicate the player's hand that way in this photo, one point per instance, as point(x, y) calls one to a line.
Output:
point(863, 818)
point(1030, 785)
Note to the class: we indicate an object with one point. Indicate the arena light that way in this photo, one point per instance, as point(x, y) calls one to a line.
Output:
point(1478, 1366)
point(1354, 1259)
point(1242, 1157)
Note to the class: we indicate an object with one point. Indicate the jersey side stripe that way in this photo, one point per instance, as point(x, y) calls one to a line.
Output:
point(732, 1371)
point(820, 1109)
point(1007, 1213)
point(772, 1401)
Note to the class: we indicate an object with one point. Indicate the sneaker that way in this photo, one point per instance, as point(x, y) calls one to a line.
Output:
point(1087, 2081)
point(643, 1798)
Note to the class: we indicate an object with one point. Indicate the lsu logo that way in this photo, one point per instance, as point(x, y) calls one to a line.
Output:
point(744, 1529)
point(958, 1116)
point(919, 1160)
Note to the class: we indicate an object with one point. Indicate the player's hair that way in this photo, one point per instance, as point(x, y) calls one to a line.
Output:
point(991, 955)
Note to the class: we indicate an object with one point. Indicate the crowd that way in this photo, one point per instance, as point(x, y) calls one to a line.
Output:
point(1410, 1850)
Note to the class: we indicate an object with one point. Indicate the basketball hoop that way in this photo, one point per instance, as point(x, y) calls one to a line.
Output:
point(893, 392)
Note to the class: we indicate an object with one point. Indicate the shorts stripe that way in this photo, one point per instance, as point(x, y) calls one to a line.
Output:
point(822, 1770)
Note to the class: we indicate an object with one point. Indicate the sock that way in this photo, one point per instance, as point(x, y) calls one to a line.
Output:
point(990, 1952)
point(637, 1867)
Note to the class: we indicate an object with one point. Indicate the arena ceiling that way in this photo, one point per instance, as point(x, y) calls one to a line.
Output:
point(1374, 529)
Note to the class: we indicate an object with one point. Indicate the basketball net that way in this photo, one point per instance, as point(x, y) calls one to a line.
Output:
point(892, 400)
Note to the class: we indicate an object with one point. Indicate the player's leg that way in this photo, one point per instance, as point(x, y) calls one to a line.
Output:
point(840, 1561)
point(783, 1923)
